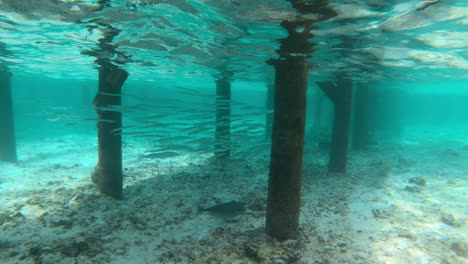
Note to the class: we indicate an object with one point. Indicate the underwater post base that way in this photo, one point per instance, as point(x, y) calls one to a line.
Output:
point(108, 172)
point(285, 179)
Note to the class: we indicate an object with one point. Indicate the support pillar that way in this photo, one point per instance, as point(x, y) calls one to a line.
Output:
point(223, 119)
point(341, 96)
point(285, 179)
point(318, 105)
point(7, 129)
point(269, 108)
point(108, 173)
point(287, 147)
point(361, 134)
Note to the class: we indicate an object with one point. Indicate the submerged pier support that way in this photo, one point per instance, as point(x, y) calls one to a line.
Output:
point(361, 133)
point(108, 172)
point(341, 96)
point(223, 119)
point(317, 106)
point(270, 98)
point(7, 128)
point(287, 144)
point(287, 147)
point(284, 186)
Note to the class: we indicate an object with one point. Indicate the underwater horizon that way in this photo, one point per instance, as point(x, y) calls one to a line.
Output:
point(233, 131)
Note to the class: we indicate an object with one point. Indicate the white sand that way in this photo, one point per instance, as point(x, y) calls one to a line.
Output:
point(51, 213)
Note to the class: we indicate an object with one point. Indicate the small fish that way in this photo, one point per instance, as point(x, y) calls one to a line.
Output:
point(225, 210)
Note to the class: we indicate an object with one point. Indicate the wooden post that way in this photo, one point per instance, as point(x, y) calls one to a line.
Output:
point(7, 129)
point(284, 186)
point(318, 105)
point(361, 117)
point(269, 108)
point(341, 96)
point(287, 147)
point(108, 173)
point(223, 119)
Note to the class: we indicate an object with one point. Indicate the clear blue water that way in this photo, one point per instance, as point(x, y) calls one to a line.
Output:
point(415, 61)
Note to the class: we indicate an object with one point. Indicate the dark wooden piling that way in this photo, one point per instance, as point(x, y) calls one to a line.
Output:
point(361, 134)
point(341, 96)
point(270, 98)
point(284, 186)
point(108, 173)
point(223, 119)
point(287, 147)
point(318, 105)
point(7, 129)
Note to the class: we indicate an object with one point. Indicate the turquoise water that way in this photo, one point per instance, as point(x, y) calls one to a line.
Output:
point(411, 54)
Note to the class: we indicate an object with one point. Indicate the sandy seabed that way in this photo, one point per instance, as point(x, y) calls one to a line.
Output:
point(399, 203)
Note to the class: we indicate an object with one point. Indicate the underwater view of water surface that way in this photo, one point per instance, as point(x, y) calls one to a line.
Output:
point(234, 131)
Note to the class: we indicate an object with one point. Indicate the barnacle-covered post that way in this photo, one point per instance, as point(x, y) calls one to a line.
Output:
point(108, 172)
point(223, 118)
point(284, 186)
point(291, 74)
point(7, 129)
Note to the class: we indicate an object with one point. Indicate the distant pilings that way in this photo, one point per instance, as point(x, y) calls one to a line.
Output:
point(7, 129)
point(341, 96)
point(317, 105)
point(223, 119)
point(361, 134)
